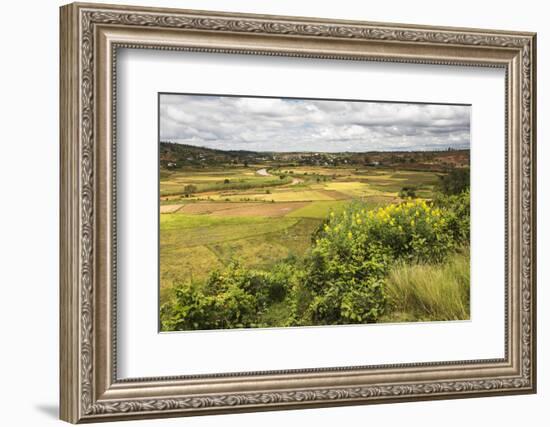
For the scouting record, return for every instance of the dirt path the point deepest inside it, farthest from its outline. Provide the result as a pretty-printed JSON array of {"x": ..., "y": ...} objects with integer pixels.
[
  {"x": 263, "y": 172},
  {"x": 170, "y": 208}
]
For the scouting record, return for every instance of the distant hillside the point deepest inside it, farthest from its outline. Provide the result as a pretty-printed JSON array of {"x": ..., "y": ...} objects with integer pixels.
[{"x": 175, "y": 156}]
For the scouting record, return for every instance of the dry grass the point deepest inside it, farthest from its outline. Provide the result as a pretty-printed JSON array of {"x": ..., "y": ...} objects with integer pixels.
[
  {"x": 261, "y": 209},
  {"x": 426, "y": 292}
]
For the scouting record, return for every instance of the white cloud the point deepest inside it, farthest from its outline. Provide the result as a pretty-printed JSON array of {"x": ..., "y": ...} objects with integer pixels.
[{"x": 277, "y": 124}]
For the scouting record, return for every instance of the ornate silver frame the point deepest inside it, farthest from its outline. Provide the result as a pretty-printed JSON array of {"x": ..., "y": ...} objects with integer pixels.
[{"x": 90, "y": 35}]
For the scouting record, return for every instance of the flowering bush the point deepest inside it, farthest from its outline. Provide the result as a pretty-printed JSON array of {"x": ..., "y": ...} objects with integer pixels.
[
  {"x": 352, "y": 252},
  {"x": 414, "y": 230}
]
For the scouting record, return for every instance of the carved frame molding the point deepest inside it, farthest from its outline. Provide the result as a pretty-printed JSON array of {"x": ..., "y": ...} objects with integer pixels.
[{"x": 90, "y": 35}]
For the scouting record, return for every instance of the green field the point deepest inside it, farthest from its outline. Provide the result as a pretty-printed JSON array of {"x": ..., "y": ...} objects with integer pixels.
[{"x": 259, "y": 215}]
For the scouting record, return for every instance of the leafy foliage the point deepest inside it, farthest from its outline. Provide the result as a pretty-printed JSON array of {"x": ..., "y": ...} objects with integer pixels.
[
  {"x": 189, "y": 189},
  {"x": 457, "y": 214},
  {"x": 455, "y": 182},
  {"x": 233, "y": 298},
  {"x": 407, "y": 192}
]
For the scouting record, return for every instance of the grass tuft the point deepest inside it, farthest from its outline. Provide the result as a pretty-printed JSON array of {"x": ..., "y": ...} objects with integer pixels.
[{"x": 423, "y": 292}]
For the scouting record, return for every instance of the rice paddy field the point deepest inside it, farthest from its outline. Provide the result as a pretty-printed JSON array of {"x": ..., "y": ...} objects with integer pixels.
[{"x": 261, "y": 214}]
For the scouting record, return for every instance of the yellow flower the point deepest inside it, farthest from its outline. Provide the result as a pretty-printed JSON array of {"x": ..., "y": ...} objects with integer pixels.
[
  {"x": 358, "y": 221},
  {"x": 350, "y": 236},
  {"x": 412, "y": 222}
]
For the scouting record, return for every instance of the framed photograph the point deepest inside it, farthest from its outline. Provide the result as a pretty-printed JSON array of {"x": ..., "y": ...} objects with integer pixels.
[{"x": 266, "y": 213}]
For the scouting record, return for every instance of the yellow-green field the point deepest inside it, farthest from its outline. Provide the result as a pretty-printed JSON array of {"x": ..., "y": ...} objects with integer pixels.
[{"x": 260, "y": 215}]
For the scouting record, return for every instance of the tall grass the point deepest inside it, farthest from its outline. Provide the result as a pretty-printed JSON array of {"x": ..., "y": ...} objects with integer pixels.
[{"x": 425, "y": 292}]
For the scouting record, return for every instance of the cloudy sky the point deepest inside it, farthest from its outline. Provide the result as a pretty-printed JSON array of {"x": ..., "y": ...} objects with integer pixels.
[{"x": 282, "y": 124}]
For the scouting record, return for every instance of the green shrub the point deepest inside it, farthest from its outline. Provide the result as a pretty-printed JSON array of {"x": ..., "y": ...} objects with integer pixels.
[
  {"x": 233, "y": 298},
  {"x": 344, "y": 281},
  {"x": 412, "y": 230},
  {"x": 189, "y": 189},
  {"x": 408, "y": 192},
  {"x": 455, "y": 182},
  {"x": 192, "y": 309},
  {"x": 457, "y": 214},
  {"x": 279, "y": 280}
]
